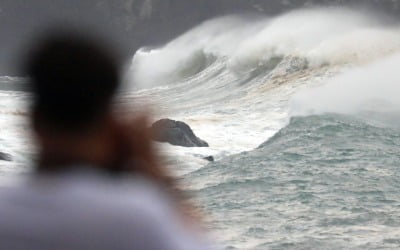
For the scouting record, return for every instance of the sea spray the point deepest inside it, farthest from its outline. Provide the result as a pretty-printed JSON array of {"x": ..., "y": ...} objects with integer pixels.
[{"x": 370, "y": 88}]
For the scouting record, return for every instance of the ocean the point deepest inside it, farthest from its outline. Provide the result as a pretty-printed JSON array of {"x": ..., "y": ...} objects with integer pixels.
[{"x": 302, "y": 114}]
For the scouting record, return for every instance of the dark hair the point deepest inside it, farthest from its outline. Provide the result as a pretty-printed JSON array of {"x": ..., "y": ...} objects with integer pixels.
[{"x": 73, "y": 80}]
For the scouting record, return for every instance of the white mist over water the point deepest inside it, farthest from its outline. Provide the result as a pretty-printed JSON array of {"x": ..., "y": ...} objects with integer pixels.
[
  {"x": 323, "y": 36},
  {"x": 372, "y": 88}
]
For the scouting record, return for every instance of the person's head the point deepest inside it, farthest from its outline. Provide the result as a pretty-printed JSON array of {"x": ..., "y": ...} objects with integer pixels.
[{"x": 73, "y": 80}]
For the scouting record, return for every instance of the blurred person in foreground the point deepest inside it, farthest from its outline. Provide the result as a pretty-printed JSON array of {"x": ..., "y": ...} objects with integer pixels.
[{"x": 98, "y": 183}]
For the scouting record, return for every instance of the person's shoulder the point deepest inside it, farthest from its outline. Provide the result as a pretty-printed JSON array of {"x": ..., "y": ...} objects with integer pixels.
[
  {"x": 98, "y": 193},
  {"x": 135, "y": 191},
  {"x": 143, "y": 213},
  {"x": 133, "y": 212}
]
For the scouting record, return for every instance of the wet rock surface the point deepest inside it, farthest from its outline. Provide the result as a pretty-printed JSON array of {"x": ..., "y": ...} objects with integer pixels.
[
  {"x": 176, "y": 133},
  {"x": 5, "y": 157}
]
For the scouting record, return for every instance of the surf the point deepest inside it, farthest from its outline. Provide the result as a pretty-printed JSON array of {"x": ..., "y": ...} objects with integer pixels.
[{"x": 233, "y": 78}]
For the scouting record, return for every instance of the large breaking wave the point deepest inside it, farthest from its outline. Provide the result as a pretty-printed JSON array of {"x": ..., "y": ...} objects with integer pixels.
[
  {"x": 248, "y": 44},
  {"x": 232, "y": 77}
]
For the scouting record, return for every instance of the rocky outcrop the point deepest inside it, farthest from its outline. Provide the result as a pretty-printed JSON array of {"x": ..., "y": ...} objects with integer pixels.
[
  {"x": 176, "y": 133},
  {"x": 5, "y": 157},
  {"x": 209, "y": 158}
]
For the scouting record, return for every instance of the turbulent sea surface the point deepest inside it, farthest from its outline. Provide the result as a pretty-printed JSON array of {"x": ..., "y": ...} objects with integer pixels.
[{"x": 302, "y": 114}]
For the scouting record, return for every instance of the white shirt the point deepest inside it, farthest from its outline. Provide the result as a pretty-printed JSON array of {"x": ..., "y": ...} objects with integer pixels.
[{"x": 91, "y": 211}]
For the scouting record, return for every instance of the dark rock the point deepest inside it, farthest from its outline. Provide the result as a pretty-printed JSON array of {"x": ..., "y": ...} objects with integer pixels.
[
  {"x": 176, "y": 133},
  {"x": 209, "y": 158},
  {"x": 5, "y": 157}
]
